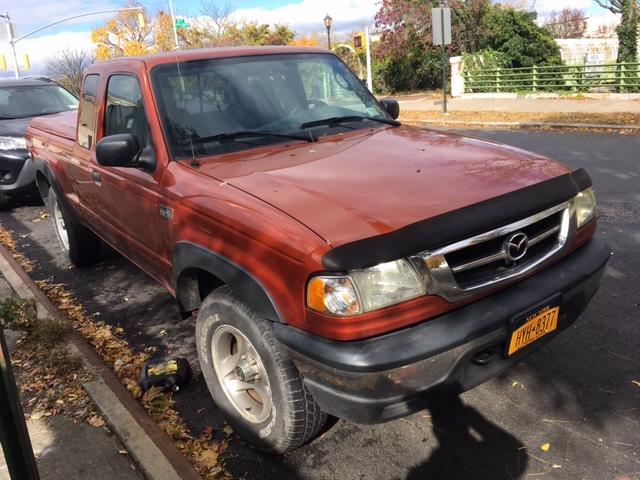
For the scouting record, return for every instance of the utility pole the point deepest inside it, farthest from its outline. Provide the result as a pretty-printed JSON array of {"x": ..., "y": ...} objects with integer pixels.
[{"x": 13, "y": 45}]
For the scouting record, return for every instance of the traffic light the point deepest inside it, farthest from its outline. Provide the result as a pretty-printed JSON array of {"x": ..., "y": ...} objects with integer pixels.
[
  {"x": 3, "y": 63},
  {"x": 358, "y": 41},
  {"x": 25, "y": 59}
]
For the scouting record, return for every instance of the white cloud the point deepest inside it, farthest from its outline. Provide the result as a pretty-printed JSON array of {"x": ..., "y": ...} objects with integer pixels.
[
  {"x": 308, "y": 15},
  {"x": 41, "y": 48}
]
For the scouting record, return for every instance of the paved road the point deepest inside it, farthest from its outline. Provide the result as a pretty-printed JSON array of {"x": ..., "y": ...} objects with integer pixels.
[{"x": 576, "y": 395}]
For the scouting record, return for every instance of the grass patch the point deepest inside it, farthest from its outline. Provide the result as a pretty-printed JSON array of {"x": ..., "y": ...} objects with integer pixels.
[{"x": 17, "y": 313}]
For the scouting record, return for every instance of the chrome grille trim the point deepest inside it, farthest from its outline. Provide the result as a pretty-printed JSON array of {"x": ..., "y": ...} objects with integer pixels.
[
  {"x": 502, "y": 255},
  {"x": 440, "y": 278}
]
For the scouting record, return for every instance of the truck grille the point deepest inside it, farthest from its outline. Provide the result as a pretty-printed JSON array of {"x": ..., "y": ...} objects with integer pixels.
[{"x": 482, "y": 262}]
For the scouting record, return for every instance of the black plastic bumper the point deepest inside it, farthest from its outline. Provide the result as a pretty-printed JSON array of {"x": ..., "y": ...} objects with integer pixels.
[
  {"x": 393, "y": 375},
  {"x": 17, "y": 174}
]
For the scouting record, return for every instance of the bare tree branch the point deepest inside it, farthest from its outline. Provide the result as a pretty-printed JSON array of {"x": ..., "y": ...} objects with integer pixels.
[
  {"x": 67, "y": 66},
  {"x": 219, "y": 16},
  {"x": 569, "y": 23}
]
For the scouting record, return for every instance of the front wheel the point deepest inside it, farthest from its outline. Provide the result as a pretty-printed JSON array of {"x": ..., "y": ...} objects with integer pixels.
[
  {"x": 252, "y": 378},
  {"x": 79, "y": 244}
]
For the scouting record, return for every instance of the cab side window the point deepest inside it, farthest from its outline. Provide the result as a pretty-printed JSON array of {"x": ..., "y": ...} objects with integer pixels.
[
  {"x": 124, "y": 112},
  {"x": 86, "y": 116}
]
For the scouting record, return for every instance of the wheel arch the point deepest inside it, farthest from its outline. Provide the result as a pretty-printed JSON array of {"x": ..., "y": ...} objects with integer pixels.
[
  {"x": 198, "y": 271},
  {"x": 44, "y": 178}
]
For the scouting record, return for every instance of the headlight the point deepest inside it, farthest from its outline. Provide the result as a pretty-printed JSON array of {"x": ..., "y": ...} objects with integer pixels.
[
  {"x": 585, "y": 204},
  {"x": 364, "y": 290},
  {"x": 12, "y": 143}
]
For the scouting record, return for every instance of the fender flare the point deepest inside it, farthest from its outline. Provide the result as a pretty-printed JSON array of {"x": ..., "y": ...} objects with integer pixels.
[
  {"x": 189, "y": 257},
  {"x": 43, "y": 168}
]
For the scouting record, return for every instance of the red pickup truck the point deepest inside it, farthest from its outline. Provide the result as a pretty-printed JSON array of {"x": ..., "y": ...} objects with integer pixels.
[{"x": 337, "y": 262}]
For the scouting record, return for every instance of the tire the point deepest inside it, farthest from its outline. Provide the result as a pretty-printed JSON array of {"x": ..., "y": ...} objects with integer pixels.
[
  {"x": 252, "y": 378},
  {"x": 79, "y": 244},
  {"x": 5, "y": 202}
]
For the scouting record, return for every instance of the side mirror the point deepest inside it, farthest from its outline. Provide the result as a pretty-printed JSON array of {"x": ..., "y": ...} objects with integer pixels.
[
  {"x": 391, "y": 106},
  {"x": 123, "y": 150}
]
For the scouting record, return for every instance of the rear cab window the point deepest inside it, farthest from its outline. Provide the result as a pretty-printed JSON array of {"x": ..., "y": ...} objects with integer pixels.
[{"x": 86, "y": 116}]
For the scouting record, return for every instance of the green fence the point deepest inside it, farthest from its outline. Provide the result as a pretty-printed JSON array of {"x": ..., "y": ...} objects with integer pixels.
[{"x": 614, "y": 77}]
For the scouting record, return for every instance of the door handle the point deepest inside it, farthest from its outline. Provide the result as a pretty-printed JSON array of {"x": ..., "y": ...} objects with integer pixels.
[{"x": 95, "y": 176}]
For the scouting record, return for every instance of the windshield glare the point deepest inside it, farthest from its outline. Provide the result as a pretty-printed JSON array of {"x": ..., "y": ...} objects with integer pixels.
[
  {"x": 34, "y": 100},
  {"x": 288, "y": 94}
]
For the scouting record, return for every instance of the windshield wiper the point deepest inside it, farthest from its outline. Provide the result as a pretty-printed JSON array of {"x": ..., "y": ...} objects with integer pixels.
[
  {"x": 222, "y": 137},
  {"x": 336, "y": 121}
]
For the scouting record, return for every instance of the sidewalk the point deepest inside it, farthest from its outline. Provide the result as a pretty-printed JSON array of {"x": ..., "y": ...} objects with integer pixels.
[
  {"x": 544, "y": 105},
  {"x": 68, "y": 451},
  {"x": 511, "y": 102}
]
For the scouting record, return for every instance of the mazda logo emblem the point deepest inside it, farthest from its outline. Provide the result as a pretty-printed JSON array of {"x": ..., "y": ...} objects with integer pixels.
[{"x": 516, "y": 246}]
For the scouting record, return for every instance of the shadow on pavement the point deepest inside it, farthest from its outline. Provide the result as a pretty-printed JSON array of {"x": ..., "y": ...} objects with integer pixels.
[{"x": 470, "y": 447}]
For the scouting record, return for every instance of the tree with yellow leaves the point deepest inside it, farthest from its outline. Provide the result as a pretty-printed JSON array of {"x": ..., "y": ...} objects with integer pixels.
[
  {"x": 124, "y": 35},
  {"x": 305, "y": 41}
]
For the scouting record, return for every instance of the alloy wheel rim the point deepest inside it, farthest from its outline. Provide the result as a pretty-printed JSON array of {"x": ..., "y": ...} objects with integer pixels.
[
  {"x": 241, "y": 374},
  {"x": 60, "y": 226}
]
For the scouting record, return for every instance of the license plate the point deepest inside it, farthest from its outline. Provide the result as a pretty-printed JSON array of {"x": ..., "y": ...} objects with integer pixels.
[{"x": 528, "y": 328}]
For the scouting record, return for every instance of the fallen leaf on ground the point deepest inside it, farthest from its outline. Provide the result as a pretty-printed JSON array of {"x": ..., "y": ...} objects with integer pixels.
[{"x": 95, "y": 421}]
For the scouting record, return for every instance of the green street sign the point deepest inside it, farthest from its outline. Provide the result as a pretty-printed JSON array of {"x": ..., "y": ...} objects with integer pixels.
[{"x": 181, "y": 23}]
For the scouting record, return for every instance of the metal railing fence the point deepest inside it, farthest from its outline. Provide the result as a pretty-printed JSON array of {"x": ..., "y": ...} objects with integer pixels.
[{"x": 616, "y": 77}]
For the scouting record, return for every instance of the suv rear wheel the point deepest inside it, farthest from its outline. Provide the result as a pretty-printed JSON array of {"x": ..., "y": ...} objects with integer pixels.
[
  {"x": 5, "y": 202},
  {"x": 252, "y": 378}
]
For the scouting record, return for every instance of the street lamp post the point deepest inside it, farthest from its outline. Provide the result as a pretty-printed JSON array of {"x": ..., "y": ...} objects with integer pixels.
[
  {"x": 327, "y": 23},
  {"x": 16, "y": 40}
]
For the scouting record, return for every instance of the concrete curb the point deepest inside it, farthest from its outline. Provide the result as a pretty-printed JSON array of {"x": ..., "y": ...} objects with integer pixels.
[
  {"x": 156, "y": 455},
  {"x": 139, "y": 445}
]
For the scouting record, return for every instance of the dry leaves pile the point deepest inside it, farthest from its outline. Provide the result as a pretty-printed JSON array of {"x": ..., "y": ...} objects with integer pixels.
[{"x": 50, "y": 387}]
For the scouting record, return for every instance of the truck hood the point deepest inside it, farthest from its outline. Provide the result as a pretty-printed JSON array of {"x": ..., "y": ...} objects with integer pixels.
[{"x": 369, "y": 182}]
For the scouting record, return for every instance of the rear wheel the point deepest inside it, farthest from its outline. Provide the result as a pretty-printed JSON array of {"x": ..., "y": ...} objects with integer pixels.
[
  {"x": 79, "y": 244},
  {"x": 252, "y": 378},
  {"x": 5, "y": 202}
]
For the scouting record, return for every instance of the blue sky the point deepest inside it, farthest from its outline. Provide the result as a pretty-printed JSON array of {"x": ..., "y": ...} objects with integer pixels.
[{"x": 302, "y": 16}]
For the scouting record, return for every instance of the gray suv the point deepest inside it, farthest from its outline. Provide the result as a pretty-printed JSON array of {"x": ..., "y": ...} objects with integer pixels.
[{"x": 20, "y": 101}]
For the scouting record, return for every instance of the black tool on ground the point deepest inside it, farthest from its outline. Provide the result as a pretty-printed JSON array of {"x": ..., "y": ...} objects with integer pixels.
[{"x": 168, "y": 373}]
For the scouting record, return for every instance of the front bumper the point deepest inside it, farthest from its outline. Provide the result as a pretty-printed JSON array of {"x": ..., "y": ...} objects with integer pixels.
[
  {"x": 394, "y": 375},
  {"x": 17, "y": 173}
]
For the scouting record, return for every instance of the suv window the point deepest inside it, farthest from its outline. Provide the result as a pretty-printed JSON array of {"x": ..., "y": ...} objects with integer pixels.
[
  {"x": 124, "y": 112},
  {"x": 23, "y": 101}
]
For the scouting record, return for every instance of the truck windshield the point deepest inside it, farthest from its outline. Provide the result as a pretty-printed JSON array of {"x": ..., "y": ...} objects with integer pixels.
[{"x": 210, "y": 106}]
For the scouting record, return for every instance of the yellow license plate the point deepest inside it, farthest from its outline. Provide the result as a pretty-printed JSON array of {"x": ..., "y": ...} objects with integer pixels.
[{"x": 530, "y": 328}]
